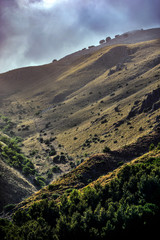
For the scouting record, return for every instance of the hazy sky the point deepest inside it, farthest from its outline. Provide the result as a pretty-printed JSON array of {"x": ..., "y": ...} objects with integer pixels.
[{"x": 34, "y": 32}]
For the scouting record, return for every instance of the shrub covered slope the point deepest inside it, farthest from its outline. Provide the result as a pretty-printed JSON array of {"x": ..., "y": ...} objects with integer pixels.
[{"x": 127, "y": 206}]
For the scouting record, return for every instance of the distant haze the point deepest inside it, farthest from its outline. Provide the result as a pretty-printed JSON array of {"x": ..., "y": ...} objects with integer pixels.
[{"x": 34, "y": 32}]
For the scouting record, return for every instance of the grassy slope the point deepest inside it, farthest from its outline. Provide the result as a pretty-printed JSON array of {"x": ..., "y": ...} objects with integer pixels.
[
  {"x": 13, "y": 186},
  {"x": 83, "y": 105},
  {"x": 79, "y": 100},
  {"x": 98, "y": 168}
]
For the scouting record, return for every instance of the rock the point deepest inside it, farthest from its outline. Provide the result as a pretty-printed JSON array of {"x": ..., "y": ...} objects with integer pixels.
[
  {"x": 111, "y": 71},
  {"x": 154, "y": 62},
  {"x": 120, "y": 66},
  {"x": 119, "y": 123},
  {"x": 151, "y": 101},
  {"x": 156, "y": 106}
]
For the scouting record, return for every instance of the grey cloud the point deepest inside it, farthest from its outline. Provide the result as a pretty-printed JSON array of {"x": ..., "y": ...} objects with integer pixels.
[{"x": 30, "y": 35}]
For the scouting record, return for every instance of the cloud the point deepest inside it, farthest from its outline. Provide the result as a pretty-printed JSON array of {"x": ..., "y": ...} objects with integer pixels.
[{"x": 33, "y": 32}]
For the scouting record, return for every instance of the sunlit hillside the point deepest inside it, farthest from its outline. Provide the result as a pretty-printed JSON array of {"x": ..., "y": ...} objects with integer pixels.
[
  {"x": 72, "y": 108},
  {"x": 84, "y": 128}
]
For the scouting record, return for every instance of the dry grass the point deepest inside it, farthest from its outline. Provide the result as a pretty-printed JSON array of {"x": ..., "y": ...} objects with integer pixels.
[{"x": 76, "y": 96}]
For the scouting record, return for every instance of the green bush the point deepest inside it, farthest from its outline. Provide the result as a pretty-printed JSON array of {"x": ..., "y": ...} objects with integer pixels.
[
  {"x": 52, "y": 152},
  {"x": 151, "y": 147},
  {"x": 158, "y": 146},
  {"x": 12, "y": 155},
  {"x": 39, "y": 181},
  {"x": 56, "y": 169},
  {"x": 50, "y": 174},
  {"x": 128, "y": 206},
  {"x": 51, "y": 187},
  {"x": 106, "y": 150},
  {"x": 55, "y": 196},
  {"x": 26, "y": 170}
]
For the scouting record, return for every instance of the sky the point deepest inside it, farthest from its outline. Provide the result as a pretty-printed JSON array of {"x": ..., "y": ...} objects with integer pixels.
[{"x": 34, "y": 32}]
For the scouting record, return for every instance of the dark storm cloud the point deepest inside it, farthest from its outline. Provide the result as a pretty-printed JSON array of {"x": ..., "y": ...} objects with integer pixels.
[{"x": 31, "y": 33}]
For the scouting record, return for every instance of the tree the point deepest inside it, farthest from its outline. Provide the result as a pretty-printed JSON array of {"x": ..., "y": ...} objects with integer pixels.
[
  {"x": 108, "y": 39},
  {"x": 101, "y": 41}
]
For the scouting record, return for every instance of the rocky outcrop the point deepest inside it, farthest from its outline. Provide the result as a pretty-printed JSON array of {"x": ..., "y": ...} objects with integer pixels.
[
  {"x": 119, "y": 67},
  {"x": 150, "y": 103},
  {"x": 154, "y": 62}
]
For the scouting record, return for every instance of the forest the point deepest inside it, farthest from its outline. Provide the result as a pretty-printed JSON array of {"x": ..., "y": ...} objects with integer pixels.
[{"x": 127, "y": 206}]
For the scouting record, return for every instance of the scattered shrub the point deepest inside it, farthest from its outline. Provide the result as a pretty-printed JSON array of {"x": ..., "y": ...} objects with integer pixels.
[
  {"x": 151, "y": 147},
  {"x": 55, "y": 196},
  {"x": 50, "y": 174},
  {"x": 11, "y": 154},
  {"x": 56, "y": 169},
  {"x": 39, "y": 181},
  {"x": 115, "y": 210},
  {"x": 158, "y": 146},
  {"x": 106, "y": 149},
  {"x": 52, "y": 152}
]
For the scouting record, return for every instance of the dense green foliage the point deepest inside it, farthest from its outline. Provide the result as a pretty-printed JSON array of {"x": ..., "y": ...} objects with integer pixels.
[
  {"x": 11, "y": 153},
  {"x": 6, "y": 125},
  {"x": 129, "y": 205}
]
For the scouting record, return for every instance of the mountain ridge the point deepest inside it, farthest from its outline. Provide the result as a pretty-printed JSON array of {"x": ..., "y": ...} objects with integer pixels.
[{"x": 68, "y": 110}]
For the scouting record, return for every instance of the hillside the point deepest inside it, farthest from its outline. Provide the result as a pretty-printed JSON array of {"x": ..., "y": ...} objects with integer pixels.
[
  {"x": 95, "y": 168},
  {"x": 113, "y": 206},
  {"x": 18, "y": 177},
  {"x": 71, "y": 109},
  {"x": 76, "y": 106},
  {"x": 86, "y": 126},
  {"x": 13, "y": 186}
]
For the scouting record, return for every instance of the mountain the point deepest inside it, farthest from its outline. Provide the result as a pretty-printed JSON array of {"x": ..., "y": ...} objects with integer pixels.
[
  {"x": 83, "y": 126},
  {"x": 68, "y": 110}
]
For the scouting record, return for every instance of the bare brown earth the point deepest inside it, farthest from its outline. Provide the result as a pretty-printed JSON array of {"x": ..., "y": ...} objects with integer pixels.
[{"x": 108, "y": 95}]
